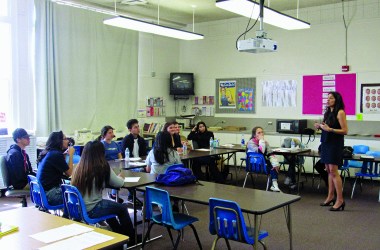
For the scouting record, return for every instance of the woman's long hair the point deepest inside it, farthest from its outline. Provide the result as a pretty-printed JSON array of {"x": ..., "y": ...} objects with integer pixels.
[
  {"x": 167, "y": 125},
  {"x": 330, "y": 117},
  {"x": 55, "y": 141},
  {"x": 204, "y": 124},
  {"x": 104, "y": 131},
  {"x": 162, "y": 144},
  {"x": 254, "y": 132},
  {"x": 92, "y": 166}
]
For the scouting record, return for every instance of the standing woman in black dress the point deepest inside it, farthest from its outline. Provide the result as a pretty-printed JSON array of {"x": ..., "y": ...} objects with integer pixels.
[{"x": 334, "y": 127}]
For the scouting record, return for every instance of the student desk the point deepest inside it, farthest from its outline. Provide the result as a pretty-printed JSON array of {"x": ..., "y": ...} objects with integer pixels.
[
  {"x": 291, "y": 156},
  {"x": 253, "y": 201},
  {"x": 31, "y": 221},
  {"x": 199, "y": 153}
]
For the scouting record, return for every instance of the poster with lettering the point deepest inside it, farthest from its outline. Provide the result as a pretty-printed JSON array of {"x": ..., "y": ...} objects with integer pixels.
[
  {"x": 317, "y": 87},
  {"x": 370, "y": 99},
  {"x": 227, "y": 94}
]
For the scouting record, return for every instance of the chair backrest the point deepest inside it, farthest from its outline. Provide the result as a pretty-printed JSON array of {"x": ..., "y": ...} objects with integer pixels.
[
  {"x": 159, "y": 197},
  {"x": 74, "y": 204},
  {"x": 227, "y": 221},
  {"x": 38, "y": 195},
  {"x": 4, "y": 177},
  {"x": 360, "y": 149},
  {"x": 255, "y": 162},
  {"x": 374, "y": 168}
]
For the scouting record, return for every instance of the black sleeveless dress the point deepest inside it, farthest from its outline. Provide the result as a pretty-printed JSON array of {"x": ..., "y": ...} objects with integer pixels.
[{"x": 332, "y": 146}]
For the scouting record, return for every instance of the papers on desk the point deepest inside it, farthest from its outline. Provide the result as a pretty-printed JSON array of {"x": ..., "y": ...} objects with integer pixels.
[
  {"x": 79, "y": 242},
  {"x": 202, "y": 149},
  {"x": 136, "y": 164},
  {"x": 228, "y": 145},
  {"x": 131, "y": 179},
  {"x": 367, "y": 157},
  {"x": 282, "y": 150},
  {"x": 60, "y": 233},
  {"x": 135, "y": 159}
]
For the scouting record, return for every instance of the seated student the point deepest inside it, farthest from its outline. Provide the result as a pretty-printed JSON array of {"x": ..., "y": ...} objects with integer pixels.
[
  {"x": 180, "y": 139},
  {"x": 291, "y": 174},
  {"x": 112, "y": 152},
  {"x": 91, "y": 176},
  {"x": 172, "y": 129},
  {"x": 163, "y": 155},
  {"x": 52, "y": 166},
  {"x": 202, "y": 136},
  {"x": 258, "y": 144},
  {"x": 136, "y": 146},
  {"x": 134, "y": 142},
  {"x": 17, "y": 160}
]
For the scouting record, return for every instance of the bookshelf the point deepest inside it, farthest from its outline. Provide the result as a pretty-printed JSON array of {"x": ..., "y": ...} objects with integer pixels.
[
  {"x": 203, "y": 106},
  {"x": 155, "y": 106}
]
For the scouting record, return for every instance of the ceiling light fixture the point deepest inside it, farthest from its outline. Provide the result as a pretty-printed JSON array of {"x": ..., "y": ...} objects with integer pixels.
[
  {"x": 134, "y": 24},
  {"x": 272, "y": 17}
]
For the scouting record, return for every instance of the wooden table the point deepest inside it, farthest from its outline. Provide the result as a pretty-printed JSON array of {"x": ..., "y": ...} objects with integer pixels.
[
  {"x": 253, "y": 201},
  {"x": 31, "y": 221}
]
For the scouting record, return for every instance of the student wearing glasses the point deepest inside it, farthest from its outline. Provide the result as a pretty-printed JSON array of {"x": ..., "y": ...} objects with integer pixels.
[
  {"x": 52, "y": 166},
  {"x": 17, "y": 160}
]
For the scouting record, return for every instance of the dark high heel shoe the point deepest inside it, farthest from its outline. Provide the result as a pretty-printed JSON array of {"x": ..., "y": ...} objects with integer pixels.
[
  {"x": 326, "y": 204},
  {"x": 338, "y": 208}
]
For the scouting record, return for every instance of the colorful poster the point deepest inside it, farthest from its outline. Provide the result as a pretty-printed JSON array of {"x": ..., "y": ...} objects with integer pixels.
[
  {"x": 227, "y": 94},
  {"x": 370, "y": 99},
  {"x": 245, "y": 99}
]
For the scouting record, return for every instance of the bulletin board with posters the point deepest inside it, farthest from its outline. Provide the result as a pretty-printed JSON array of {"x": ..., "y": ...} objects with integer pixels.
[
  {"x": 370, "y": 98},
  {"x": 235, "y": 95},
  {"x": 317, "y": 87}
]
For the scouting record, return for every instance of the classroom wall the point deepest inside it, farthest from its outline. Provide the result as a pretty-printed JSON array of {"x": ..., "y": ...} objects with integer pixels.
[{"x": 319, "y": 50}]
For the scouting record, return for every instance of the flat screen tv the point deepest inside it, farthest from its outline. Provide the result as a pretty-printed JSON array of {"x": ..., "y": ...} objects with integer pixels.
[{"x": 181, "y": 84}]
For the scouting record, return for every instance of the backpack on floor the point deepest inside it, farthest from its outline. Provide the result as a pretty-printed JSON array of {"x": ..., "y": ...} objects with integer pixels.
[{"x": 176, "y": 175}]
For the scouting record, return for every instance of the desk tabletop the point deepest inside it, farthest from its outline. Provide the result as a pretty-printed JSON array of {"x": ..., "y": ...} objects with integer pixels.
[
  {"x": 235, "y": 146},
  {"x": 31, "y": 221},
  {"x": 288, "y": 151},
  {"x": 250, "y": 200},
  {"x": 145, "y": 179},
  {"x": 197, "y": 153},
  {"x": 356, "y": 157},
  {"x": 121, "y": 164}
]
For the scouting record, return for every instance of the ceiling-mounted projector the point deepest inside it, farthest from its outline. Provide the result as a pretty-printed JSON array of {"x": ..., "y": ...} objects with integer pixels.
[{"x": 260, "y": 44}]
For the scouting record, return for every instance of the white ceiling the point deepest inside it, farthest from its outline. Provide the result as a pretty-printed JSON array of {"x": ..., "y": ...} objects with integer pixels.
[{"x": 180, "y": 12}]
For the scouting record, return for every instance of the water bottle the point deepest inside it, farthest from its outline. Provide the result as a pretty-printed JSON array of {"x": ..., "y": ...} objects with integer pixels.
[
  {"x": 211, "y": 143},
  {"x": 184, "y": 149},
  {"x": 242, "y": 141},
  {"x": 292, "y": 144},
  {"x": 126, "y": 158},
  {"x": 216, "y": 143}
]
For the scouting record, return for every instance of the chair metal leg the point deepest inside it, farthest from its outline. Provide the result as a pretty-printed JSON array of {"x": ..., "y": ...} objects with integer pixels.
[
  {"x": 263, "y": 244},
  {"x": 268, "y": 183},
  {"x": 214, "y": 243},
  {"x": 196, "y": 236},
  {"x": 353, "y": 188},
  {"x": 228, "y": 243},
  {"x": 146, "y": 235},
  {"x": 253, "y": 181},
  {"x": 245, "y": 179},
  {"x": 170, "y": 235},
  {"x": 24, "y": 202},
  {"x": 177, "y": 241}
]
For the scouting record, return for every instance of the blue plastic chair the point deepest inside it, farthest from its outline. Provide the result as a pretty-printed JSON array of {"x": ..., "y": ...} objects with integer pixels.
[
  {"x": 38, "y": 196},
  {"x": 166, "y": 218},
  {"x": 358, "y": 149},
  {"x": 256, "y": 164},
  {"x": 75, "y": 207},
  {"x": 227, "y": 222},
  {"x": 369, "y": 170}
]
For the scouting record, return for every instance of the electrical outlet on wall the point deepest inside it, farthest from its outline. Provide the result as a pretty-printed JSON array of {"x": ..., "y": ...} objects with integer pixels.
[{"x": 270, "y": 123}]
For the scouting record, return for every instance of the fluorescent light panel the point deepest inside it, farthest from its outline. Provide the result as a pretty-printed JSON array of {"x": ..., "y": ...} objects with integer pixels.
[
  {"x": 134, "y": 24},
  {"x": 271, "y": 16}
]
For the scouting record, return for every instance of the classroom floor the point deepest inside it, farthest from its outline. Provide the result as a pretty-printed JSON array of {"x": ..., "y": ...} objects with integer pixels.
[{"x": 314, "y": 227}]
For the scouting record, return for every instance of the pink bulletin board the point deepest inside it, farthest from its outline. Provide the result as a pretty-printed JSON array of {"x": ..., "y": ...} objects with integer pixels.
[{"x": 316, "y": 88}]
